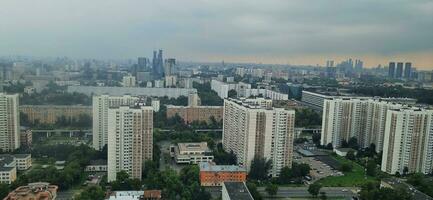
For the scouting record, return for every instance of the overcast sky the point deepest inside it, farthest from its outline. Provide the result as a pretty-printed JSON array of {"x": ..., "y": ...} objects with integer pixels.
[{"x": 267, "y": 31}]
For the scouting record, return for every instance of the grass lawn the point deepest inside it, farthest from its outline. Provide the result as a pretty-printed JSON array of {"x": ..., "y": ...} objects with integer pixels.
[{"x": 350, "y": 179}]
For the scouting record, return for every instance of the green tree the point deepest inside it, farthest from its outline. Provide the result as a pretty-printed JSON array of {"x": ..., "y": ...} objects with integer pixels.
[
  {"x": 353, "y": 143},
  {"x": 351, "y": 155},
  {"x": 371, "y": 168},
  {"x": 316, "y": 138},
  {"x": 405, "y": 171},
  {"x": 253, "y": 190},
  {"x": 346, "y": 167},
  {"x": 323, "y": 196},
  {"x": 314, "y": 189},
  {"x": 4, "y": 190},
  {"x": 91, "y": 193},
  {"x": 259, "y": 168},
  {"x": 272, "y": 189}
]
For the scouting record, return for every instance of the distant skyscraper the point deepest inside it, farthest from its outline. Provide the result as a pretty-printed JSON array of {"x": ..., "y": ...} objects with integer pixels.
[
  {"x": 358, "y": 65},
  {"x": 408, "y": 70},
  {"x": 130, "y": 140},
  {"x": 329, "y": 63},
  {"x": 157, "y": 65},
  {"x": 391, "y": 70},
  {"x": 142, "y": 64},
  {"x": 9, "y": 122},
  {"x": 169, "y": 65},
  {"x": 399, "y": 71}
]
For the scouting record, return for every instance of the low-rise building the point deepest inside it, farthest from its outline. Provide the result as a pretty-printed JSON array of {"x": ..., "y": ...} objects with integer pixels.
[
  {"x": 192, "y": 153},
  {"x": 49, "y": 114},
  {"x": 195, "y": 113},
  {"x": 34, "y": 191},
  {"x": 216, "y": 175},
  {"x": 343, "y": 151},
  {"x": 235, "y": 191},
  {"x": 135, "y": 195},
  {"x": 152, "y": 195},
  {"x": 23, "y": 161},
  {"x": 8, "y": 169},
  {"x": 96, "y": 166}
]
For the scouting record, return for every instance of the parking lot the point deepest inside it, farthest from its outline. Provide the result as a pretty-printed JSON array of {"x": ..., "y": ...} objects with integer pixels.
[{"x": 318, "y": 169}]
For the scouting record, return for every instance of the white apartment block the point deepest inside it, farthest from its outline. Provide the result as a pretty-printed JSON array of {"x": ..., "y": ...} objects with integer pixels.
[
  {"x": 9, "y": 122},
  {"x": 222, "y": 88},
  {"x": 408, "y": 141},
  {"x": 128, "y": 81},
  {"x": 264, "y": 93},
  {"x": 23, "y": 161},
  {"x": 344, "y": 118},
  {"x": 251, "y": 130},
  {"x": 100, "y": 106},
  {"x": 130, "y": 140}
]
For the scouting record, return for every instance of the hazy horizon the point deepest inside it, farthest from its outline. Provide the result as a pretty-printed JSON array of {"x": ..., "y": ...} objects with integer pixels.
[{"x": 275, "y": 32}]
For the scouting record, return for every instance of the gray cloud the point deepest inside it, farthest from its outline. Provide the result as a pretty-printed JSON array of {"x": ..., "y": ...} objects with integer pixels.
[{"x": 200, "y": 29}]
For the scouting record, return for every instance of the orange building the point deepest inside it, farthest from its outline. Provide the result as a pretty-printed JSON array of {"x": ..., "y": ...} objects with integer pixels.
[{"x": 216, "y": 175}]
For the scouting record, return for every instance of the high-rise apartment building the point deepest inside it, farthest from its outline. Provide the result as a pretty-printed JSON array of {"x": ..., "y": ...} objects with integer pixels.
[
  {"x": 100, "y": 106},
  {"x": 344, "y": 118},
  {"x": 391, "y": 70},
  {"x": 251, "y": 130},
  {"x": 130, "y": 140},
  {"x": 9, "y": 122},
  {"x": 408, "y": 141}
]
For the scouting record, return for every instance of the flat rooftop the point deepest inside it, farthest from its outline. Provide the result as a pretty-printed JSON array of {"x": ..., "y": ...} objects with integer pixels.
[
  {"x": 238, "y": 191},
  {"x": 126, "y": 195},
  {"x": 208, "y": 167},
  {"x": 198, "y": 146}
]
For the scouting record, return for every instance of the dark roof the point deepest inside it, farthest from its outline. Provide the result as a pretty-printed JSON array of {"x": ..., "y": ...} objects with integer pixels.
[
  {"x": 5, "y": 161},
  {"x": 21, "y": 155},
  {"x": 98, "y": 162},
  {"x": 238, "y": 191}
]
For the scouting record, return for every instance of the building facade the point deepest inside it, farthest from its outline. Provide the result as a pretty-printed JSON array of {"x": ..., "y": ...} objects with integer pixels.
[
  {"x": 216, "y": 175},
  {"x": 26, "y": 137},
  {"x": 192, "y": 153},
  {"x": 251, "y": 130},
  {"x": 195, "y": 113},
  {"x": 408, "y": 141},
  {"x": 157, "y": 91},
  {"x": 100, "y": 106},
  {"x": 9, "y": 122},
  {"x": 130, "y": 140},
  {"x": 49, "y": 114},
  {"x": 363, "y": 119}
]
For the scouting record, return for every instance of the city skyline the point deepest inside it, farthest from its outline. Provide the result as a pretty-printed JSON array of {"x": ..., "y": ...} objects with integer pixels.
[{"x": 274, "y": 32}]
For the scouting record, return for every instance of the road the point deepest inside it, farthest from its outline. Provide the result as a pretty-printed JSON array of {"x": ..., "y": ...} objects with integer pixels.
[{"x": 303, "y": 192}]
